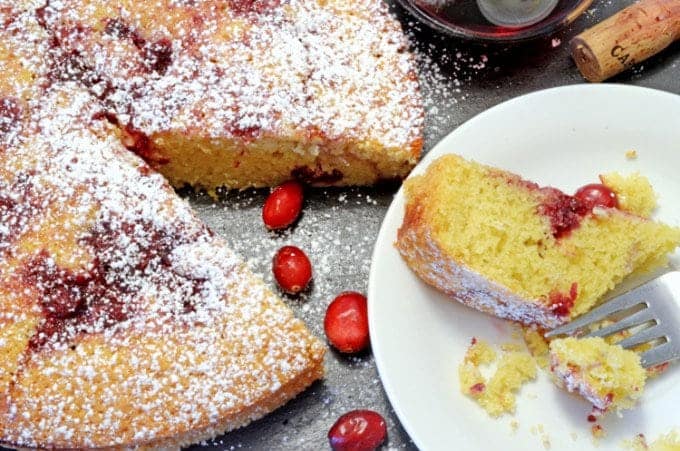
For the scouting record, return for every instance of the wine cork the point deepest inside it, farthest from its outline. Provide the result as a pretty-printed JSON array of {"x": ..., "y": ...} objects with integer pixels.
[{"x": 627, "y": 38}]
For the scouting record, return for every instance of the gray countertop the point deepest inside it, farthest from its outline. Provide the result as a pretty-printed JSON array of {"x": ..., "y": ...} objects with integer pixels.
[{"x": 339, "y": 226}]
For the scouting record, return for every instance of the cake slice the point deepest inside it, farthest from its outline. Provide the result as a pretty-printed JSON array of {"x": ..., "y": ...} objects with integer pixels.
[
  {"x": 508, "y": 247},
  {"x": 605, "y": 374},
  {"x": 248, "y": 93}
]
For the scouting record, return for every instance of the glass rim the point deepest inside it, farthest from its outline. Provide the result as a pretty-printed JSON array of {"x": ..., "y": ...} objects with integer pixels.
[{"x": 542, "y": 28}]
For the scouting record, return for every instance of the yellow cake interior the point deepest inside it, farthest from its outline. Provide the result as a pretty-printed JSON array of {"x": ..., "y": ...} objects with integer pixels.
[
  {"x": 486, "y": 220},
  {"x": 209, "y": 163}
]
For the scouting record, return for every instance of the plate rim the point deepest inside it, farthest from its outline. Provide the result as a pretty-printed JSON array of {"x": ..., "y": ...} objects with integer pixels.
[{"x": 426, "y": 160}]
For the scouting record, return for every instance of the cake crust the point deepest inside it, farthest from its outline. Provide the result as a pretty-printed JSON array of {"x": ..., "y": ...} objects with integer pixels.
[{"x": 428, "y": 260}]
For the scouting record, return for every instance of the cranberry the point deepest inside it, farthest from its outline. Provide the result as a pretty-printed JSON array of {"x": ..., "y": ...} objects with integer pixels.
[
  {"x": 346, "y": 322},
  {"x": 358, "y": 430},
  {"x": 292, "y": 269},
  {"x": 597, "y": 195},
  {"x": 283, "y": 205}
]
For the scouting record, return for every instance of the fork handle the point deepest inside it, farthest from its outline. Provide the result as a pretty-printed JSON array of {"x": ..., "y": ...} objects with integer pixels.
[{"x": 627, "y": 38}]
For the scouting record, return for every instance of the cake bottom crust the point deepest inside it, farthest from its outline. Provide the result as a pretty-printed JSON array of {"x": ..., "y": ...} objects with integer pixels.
[{"x": 417, "y": 246}]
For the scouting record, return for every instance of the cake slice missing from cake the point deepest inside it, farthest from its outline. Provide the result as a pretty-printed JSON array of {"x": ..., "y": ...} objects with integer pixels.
[{"x": 508, "y": 247}]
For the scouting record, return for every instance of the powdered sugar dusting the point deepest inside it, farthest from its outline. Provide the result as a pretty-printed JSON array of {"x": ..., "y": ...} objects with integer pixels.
[
  {"x": 299, "y": 66},
  {"x": 446, "y": 70},
  {"x": 143, "y": 325}
]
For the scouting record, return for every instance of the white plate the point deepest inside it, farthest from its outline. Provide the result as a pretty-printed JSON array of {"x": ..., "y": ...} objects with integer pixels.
[{"x": 562, "y": 137}]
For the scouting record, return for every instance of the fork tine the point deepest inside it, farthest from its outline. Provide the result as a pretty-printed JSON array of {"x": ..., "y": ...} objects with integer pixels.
[
  {"x": 623, "y": 302},
  {"x": 642, "y": 337},
  {"x": 660, "y": 354},
  {"x": 633, "y": 320}
]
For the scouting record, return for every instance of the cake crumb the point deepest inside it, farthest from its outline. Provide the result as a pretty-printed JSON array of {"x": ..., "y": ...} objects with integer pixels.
[
  {"x": 545, "y": 440},
  {"x": 537, "y": 346},
  {"x": 574, "y": 436},
  {"x": 598, "y": 431},
  {"x": 634, "y": 192},
  {"x": 608, "y": 376},
  {"x": 665, "y": 442},
  {"x": 637, "y": 443},
  {"x": 495, "y": 394},
  {"x": 514, "y": 426},
  {"x": 631, "y": 154}
]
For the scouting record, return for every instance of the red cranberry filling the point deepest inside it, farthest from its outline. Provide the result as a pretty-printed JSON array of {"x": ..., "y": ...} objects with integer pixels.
[
  {"x": 566, "y": 212},
  {"x": 478, "y": 388},
  {"x": 597, "y": 195},
  {"x": 156, "y": 55},
  {"x": 139, "y": 143},
  {"x": 19, "y": 204},
  {"x": 10, "y": 114},
  {"x": 107, "y": 292},
  {"x": 308, "y": 175},
  {"x": 562, "y": 303},
  {"x": 252, "y": 6},
  {"x": 69, "y": 298}
]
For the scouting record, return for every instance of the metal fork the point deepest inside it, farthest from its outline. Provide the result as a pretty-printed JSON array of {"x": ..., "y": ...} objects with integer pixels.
[{"x": 654, "y": 316}]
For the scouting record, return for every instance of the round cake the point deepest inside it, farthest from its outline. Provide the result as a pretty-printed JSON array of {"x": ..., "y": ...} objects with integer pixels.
[{"x": 124, "y": 321}]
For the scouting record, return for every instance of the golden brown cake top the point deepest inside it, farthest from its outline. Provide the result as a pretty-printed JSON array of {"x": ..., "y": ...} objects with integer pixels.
[{"x": 244, "y": 68}]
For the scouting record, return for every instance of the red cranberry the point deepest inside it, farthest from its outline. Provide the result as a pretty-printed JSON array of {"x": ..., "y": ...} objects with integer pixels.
[
  {"x": 597, "y": 195},
  {"x": 283, "y": 205},
  {"x": 292, "y": 269},
  {"x": 346, "y": 322},
  {"x": 358, "y": 430}
]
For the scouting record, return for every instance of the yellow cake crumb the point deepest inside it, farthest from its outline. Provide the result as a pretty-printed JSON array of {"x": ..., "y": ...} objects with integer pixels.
[
  {"x": 598, "y": 431},
  {"x": 607, "y": 375},
  {"x": 666, "y": 442},
  {"x": 537, "y": 346},
  {"x": 637, "y": 443},
  {"x": 631, "y": 154},
  {"x": 472, "y": 383},
  {"x": 514, "y": 425},
  {"x": 545, "y": 440},
  {"x": 512, "y": 347},
  {"x": 497, "y": 393},
  {"x": 634, "y": 192}
]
